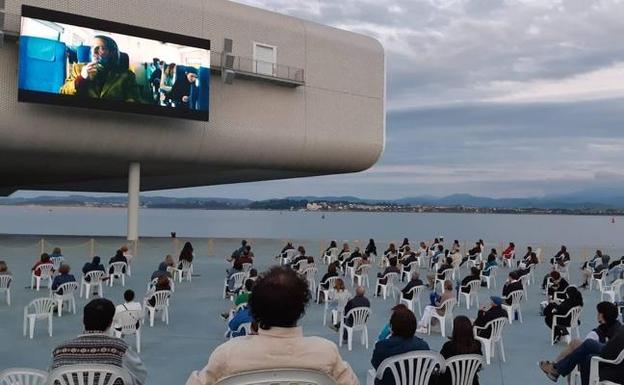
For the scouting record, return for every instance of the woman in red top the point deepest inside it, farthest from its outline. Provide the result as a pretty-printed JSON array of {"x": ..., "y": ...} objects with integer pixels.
[
  {"x": 45, "y": 259},
  {"x": 509, "y": 250}
]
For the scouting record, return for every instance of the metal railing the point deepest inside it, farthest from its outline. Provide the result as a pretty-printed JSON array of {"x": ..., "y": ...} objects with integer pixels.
[{"x": 259, "y": 69}]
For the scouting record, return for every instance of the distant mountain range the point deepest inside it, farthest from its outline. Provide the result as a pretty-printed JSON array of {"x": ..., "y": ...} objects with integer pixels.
[{"x": 586, "y": 199}]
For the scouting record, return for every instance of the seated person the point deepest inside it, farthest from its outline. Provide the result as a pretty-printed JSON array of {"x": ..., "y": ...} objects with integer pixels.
[
  {"x": 118, "y": 257},
  {"x": 105, "y": 77},
  {"x": 401, "y": 340},
  {"x": 163, "y": 268},
  {"x": 489, "y": 313},
  {"x": 359, "y": 300},
  {"x": 414, "y": 281},
  {"x": 364, "y": 262},
  {"x": 332, "y": 271},
  {"x": 163, "y": 284},
  {"x": 486, "y": 267},
  {"x": 616, "y": 268},
  {"x": 331, "y": 248},
  {"x": 594, "y": 268},
  {"x": 253, "y": 274},
  {"x": 186, "y": 254},
  {"x": 301, "y": 257},
  {"x": 43, "y": 260},
  {"x": 472, "y": 253},
  {"x": 236, "y": 268},
  {"x": 279, "y": 300},
  {"x": 344, "y": 253},
  {"x": 561, "y": 257},
  {"x": 239, "y": 318},
  {"x": 573, "y": 298},
  {"x": 246, "y": 256},
  {"x": 98, "y": 318},
  {"x": 285, "y": 249},
  {"x": 129, "y": 304},
  {"x": 404, "y": 246},
  {"x": 236, "y": 253},
  {"x": 350, "y": 260},
  {"x": 475, "y": 275},
  {"x": 530, "y": 258},
  {"x": 440, "y": 275},
  {"x": 61, "y": 278},
  {"x": 438, "y": 300},
  {"x": 338, "y": 299},
  {"x": 462, "y": 342},
  {"x": 382, "y": 277},
  {"x": 126, "y": 253},
  {"x": 411, "y": 257},
  {"x": 439, "y": 254},
  {"x": 579, "y": 353},
  {"x": 455, "y": 247},
  {"x": 371, "y": 248},
  {"x": 94, "y": 265},
  {"x": 241, "y": 299},
  {"x": 558, "y": 284},
  {"x": 512, "y": 284},
  {"x": 4, "y": 269},
  {"x": 509, "y": 251},
  {"x": 391, "y": 251}
]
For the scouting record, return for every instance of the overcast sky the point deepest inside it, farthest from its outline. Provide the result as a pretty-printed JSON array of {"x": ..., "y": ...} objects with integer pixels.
[{"x": 490, "y": 97}]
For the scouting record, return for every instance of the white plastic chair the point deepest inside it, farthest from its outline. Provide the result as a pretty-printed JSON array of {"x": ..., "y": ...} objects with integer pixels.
[
  {"x": 68, "y": 289},
  {"x": 516, "y": 299},
  {"x": 613, "y": 291},
  {"x": 391, "y": 279},
  {"x": 161, "y": 304},
  {"x": 447, "y": 274},
  {"x": 361, "y": 277},
  {"x": 57, "y": 261},
  {"x": 473, "y": 292},
  {"x": 464, "y": 368},
  {"x": 127, "y": 321},
  {"x": 594, "y": 369},
  {"x": 600, "y": 281},
  {"x": 509, "y": 261},
  {"x": 526, "y": 281},
  {"x": 474, "y": 262},
  {"x": 490, "y": 280},
  {"x": 45, "y": 273},
  {"x": 448, "y": 307},
  {"x": 413, "y": 368},
  {"x": 95, "y": 279},
  {"x": 89, "y": 374},
  {"x": 330, "y": 256},
  {"x": 360, "y": 316},
  {"x": 118, "y": 273},
  {"x": 574, "y": 314},
  {"x": 331, "y": 282},
  {"x": 42, "y": 308},
  {"x": 350, "y": 270},
  {"x": 411, "y": 303},
  {"x": 245, "y": 326},
  {"x": 238, "y": 282},
  {"x": 23, "y": 376},
  {"x": 496, "y": 336},
  {"x": 278, "y": 376},
  {"x": 186, "y": 270},
  {"x": 5, "y": 286},
  {"x": 290, "y": 253},
  {"x": 310, "y": 275},
  {"x": 406, "y": 271}
]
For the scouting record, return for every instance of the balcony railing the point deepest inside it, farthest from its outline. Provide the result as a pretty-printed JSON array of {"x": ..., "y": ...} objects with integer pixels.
[{"x": 246, "y": 67}]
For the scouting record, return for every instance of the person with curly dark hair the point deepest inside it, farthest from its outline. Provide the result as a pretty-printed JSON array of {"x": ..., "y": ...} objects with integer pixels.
[{"x": 278, "y": 301}]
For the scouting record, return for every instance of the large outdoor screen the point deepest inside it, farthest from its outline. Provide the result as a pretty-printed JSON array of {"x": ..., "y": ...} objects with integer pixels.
[{"x": 72, "y": 60}]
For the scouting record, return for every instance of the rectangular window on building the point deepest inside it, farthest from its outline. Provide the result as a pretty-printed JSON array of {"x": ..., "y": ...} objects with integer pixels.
[{"x": 265, "y": 59}]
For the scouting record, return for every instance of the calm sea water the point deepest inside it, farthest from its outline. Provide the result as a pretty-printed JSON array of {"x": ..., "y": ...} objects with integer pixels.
[{"x": 536, "y": 229}]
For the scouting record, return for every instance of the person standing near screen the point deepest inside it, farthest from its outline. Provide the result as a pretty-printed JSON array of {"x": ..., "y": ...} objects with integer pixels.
[{"x": 105, "y": 77}]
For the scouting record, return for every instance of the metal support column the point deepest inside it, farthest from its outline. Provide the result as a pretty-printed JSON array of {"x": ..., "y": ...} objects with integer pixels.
[{"x": 134, "y": 187}]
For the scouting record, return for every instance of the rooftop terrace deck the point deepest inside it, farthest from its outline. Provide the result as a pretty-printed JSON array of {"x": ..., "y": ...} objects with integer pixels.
[{"x": 172, "y": 352}]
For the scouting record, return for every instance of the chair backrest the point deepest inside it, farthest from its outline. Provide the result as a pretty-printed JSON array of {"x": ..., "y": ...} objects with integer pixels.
[
  {"x": 496, "y": 326},
  {"x": 413, "y": 368},
  {"x": 516, "y": 297},
  {"x": 127, "y": 320},
  {"x": 391, "y": 278},
  {"x": 416, "y": 291},
  {"x": 95, "y": 276},
  {"x": 463, "y": 368},
  {"x": 473, "y": 286},
  {"x": 67, "y": 289},
  {"x": 160, "y": 297},
  {"x": 575, "y": 314},
  {"x": 331, "y": 281},
  {"x": 42, "y": 305},
  {"x": 616, "y": 285},
  {"x": 310, "y": 272},
  {"x": 186, "y": 265},
  {"x": 448, "y": 306},
  {"x": 291, "y": 253},
  {"x": 238, "y": 279},
  {"x": 118, "y": 267},
  {"x": 359, "y": 315},
  {"x": 448, "y": 273},
  {"x": 91, "y": 374},
  {"x": 247, "y": 266},
  {"x": 23, "y": 376},
  {"x": 5, "y": 281},
  {"x": 246, "y": 327},
  {"x": 278, "y": 376},
  {"x": 45, "y": 269},
  {"x": 57, "y": 261}
]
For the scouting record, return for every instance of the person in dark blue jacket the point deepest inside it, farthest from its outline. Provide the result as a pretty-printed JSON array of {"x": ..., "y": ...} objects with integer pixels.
[
  {"x": 63, "y": 277},
  {"x": 94, "y": 265},
  {"x": 241, "y": 317},
  {"x": 402, "y": 340}
]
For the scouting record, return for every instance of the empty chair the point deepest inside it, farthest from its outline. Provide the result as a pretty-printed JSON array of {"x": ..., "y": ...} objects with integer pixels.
[
  {"x": 574, "y": 314},
  {"x": 118, "y": 272},
  {"x": 89, "y": 374},
  {"x": 92, "y": 279},
  {"x": 416, "y": 291},
  {"x": 331, "y": 282},
  {"x": 361, "y": 276},
  {"x": 278, "y": 376},
  {"x": 464, "y": 368},
  {"x": 5, "y": 286},
  {"x": 391, "y": 279},
  {"x": 473, "y": 292},
  {"x": 310, "y": 275},
  {"x": 67, "y": 289},
  {"x": 496, "y": 336},
  {"x": 612, "y": 291},
  {"x": 514, "y": 307},
  {"x": 413, "y": 368},
  {"x": 161, "y": 303},
  {"x": 45, "y": 273},
  {"x": 448, "y": 307},
  {"x": 40, "y": 308},
  {"x": 238, "y": 280},
  {"x": 128, "y": 322},
  {"x": 490, "y": 280},
  {"x": 23, "y": 376},
  {"x": 359, "y": 316}
]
